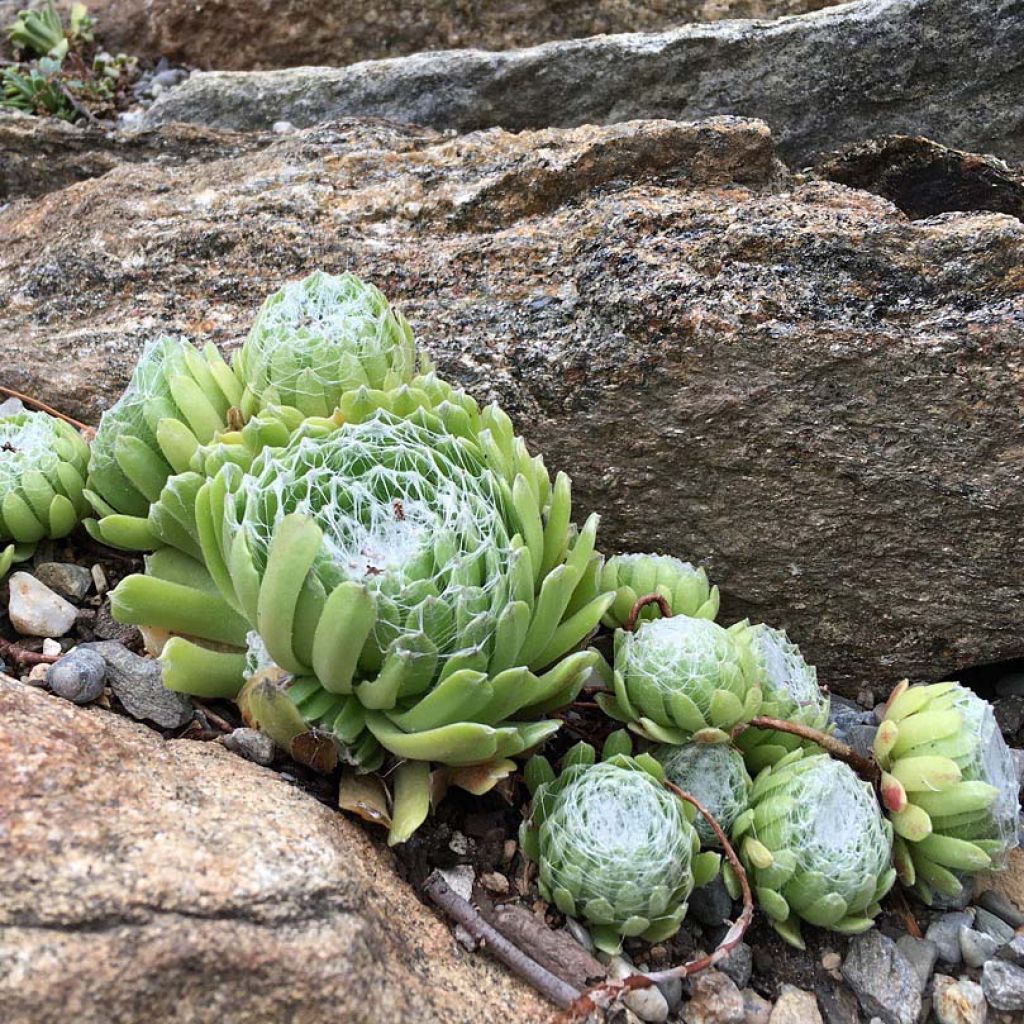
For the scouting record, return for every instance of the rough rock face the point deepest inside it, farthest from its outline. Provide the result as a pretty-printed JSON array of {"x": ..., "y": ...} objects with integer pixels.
[
  {"x": 39, "y": 155},
  {"x": 245, "y": 34},
  {"x": 201, "y": 888},
  {"x": 787, "y": 380},
  {"x": 949, "y": 69}
]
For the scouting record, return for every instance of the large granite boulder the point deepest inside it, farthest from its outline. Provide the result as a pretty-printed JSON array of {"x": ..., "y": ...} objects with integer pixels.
[
  {"x": 785, "y": 379},
  {"x": 39, "y": 154},
  {"x": 144, "y": 880},
  {"x": 245, "y": 34},
  {"x": 949, "y": 69}
]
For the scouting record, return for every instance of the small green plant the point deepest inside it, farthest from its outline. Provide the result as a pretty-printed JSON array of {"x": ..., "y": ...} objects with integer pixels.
[
  {"x": 631, "y": 576},
  {"x": 42, "y": 471},
  {"x": 681, "y": 678},
  {"x": 61, "y": 74},
  {"x": 715, "y": 774},
  {"x": 948, "y": 786},
  {"x": 613, "y": 846},
  {"x": 790, "y": 691},
  {"x": 815, "y": 846}
]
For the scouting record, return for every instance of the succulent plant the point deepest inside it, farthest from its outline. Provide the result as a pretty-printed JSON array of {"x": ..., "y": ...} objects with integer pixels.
[
  {"x": 948, "y": 785},
  {"x": 789, "y": 690},
  {"x": 815, "y": 846},
  {"x": 388, "y": 560},
  {"x": 632, "y": 576},
  {"x": 682, "y": 678},
  {"x": 178, "y": 398},
  {"x": 320, "y": 337},
  {"x": 42, "y": 477},
  {"x": 715, "y": 774},
  {"x": 613, "y": 846}
]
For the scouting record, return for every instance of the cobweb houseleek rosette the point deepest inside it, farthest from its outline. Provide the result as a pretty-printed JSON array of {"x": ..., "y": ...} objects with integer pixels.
[
  {"x": 632, "y": 576},
  {"x": 682, "y": 678},
  {"x": 715, "y": 774},
  {"x": 386, "y": 560},
  {"x": 948, "y": 786},
  {"x": 789, "y": 690},
  {"x": 815, "y": 846},
  {"x": 177, "y": 399},
  {"x": 42, "y": 476},
  {"x": 320, "y": 337},
  {"x": 614, "y": 847}
]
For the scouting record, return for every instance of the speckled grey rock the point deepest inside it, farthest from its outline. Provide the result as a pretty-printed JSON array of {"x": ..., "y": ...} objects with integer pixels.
[
  {"x": 990, "y": 924},
  {"x": 138, "y": 685},
  {"x": 738, "y": 965},
  {"x": 976, "y": 947},
  {"x": 996, "y": 903},
  {"x": 67, "y": 579},
  {"x": 663, "y": 310},
  {"x": 885, "y": 983},
  {"x": 958, "y": 1001},
  {"x": 252, "y": 744},
  {"x": 948, "y": 69},
  {"x": 921, "y": 954},
  {"x": 1003, "y": 984},
  {"x": 1013, "y": 951},
  {"x": 78, "y": 676},
  {"x": 944, "y": 932}
]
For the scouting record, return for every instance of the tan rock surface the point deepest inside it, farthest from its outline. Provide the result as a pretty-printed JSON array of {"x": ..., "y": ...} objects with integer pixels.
[
  {"x": 785, "y": 379},
  {"x": 152, "y": 881}
]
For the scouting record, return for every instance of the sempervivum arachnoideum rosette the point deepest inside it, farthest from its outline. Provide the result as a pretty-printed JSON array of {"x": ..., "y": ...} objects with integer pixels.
[
  {"x": 320, "y": 337},
  {"x": 614, "y": 847},
  {"x": 682, "y": 585},
  {"x": 42, "y": 476},
  {"x": 789, "y": 691},
  {"x": 948, "y": 785},
  {"x": 388, "y": 561},
  {"x": 681, "y": 678},
  {"x": 715, "y": 774},
  {"x": 815, "y": 846},
  {"x": 177, "y": 399}
]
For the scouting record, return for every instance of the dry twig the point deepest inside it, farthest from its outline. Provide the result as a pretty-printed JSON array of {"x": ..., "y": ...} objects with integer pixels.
[{"x": 42, "y": 405}]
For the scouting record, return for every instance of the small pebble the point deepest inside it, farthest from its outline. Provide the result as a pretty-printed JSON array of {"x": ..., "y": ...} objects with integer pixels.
[
  {"x": 944, "y": 931},
  {"x": 78, "y": 676},
  {"x": 459, "y": 844},
  {"x": 831, "y": 961},
  {"x": 714, "y": 999},
  {"x": 35, "y": 610},
  {"x": 991, "y": 925},
  {"x": 51, "y": 648},
  {"x": 958, "y": 1001},
  {"x": 1014, "y": 951},
  {"x": 38, "y": 675},
  {"x": 996, "y": 903},
  {"x": 283, "y": 128},
  {"x": 1003, "y": 984},
  {"x": 99, "y": 579},
  {"x": 711, "y": 904},
  {"x": 795, "y": 1006},
  {"x": 508, "y": 851},
  {"x": 67, "y": 579},
  {"x": 976, "y": 947},
  {"x": 756, "y": 1009},
  {"x": 647, "y": 1003},
  {"x": 251, "y": 744},
  {"x": 460, "y": 879},
  {"x": 494, "y": 881},
  {"x": 738, "y": 965}
]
